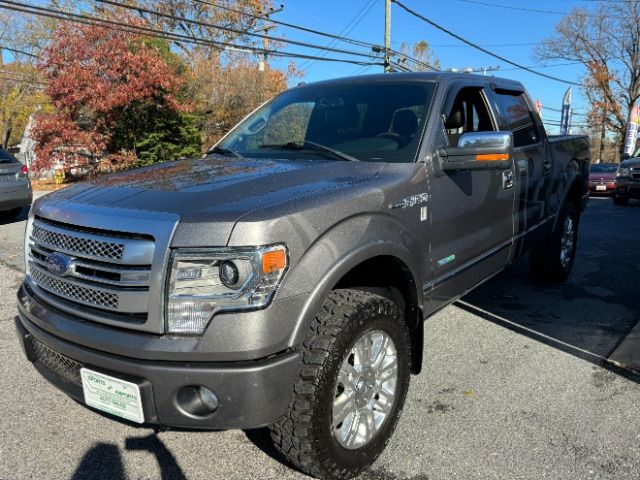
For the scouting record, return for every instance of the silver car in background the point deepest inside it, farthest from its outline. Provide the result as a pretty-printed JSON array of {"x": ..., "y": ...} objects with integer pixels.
[{"x": 15, "y": 187}]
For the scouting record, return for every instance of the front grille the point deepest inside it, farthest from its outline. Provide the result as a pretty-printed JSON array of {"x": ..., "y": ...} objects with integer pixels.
[
  {"x": 71, "y": 291},
  {"x": 99, "y": 275},
  {"x": 62, "y": 365},
  {"x": 77, "y": 245}
]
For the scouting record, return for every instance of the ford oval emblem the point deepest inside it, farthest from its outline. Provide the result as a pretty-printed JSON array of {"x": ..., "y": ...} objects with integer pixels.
[{"x": 59, "y": 264}]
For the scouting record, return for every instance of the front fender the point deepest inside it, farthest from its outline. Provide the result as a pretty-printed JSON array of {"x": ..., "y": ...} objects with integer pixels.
[{"x": 342, "y": 248}]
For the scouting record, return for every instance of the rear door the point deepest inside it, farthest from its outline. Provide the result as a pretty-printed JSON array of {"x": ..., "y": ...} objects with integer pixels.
[
  {"x": 533, "y": 162},
  {"x": 471, "y": 210},
  {"x": 11, "y": 176}
]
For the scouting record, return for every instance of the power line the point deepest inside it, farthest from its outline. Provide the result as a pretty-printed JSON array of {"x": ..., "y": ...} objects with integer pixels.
[
  {"x": 229, "y": 29},
  {"x": 353, "y": 41},
  {"x": 535, "y": 10},
  {"x": 362, "y": 13},
  {"x": 478, "y": 47},
  {"x": 113, "y": 25},
  {"x": 290, "y": 25},
  {"x": 545, "y": 66},
  {"x": 532, "y": 10},
  {"x": 487, "y": 46},
  {"x": 22, "y": 52}
]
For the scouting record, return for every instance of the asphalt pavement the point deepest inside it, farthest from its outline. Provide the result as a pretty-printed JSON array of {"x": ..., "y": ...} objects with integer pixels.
[{"x": 519, "y": 382}]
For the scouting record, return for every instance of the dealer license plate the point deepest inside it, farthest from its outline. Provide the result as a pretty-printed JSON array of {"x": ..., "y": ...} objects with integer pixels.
[
  {"x": 112, "y": 395},
  {"x": 601, "y": 187}
]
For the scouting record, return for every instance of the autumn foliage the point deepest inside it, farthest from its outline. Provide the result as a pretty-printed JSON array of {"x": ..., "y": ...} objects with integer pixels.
[{"x": 96, "y": 77}]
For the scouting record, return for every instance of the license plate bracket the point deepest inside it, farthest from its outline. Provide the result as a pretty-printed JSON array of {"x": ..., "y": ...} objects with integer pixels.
[{"x": 112, "y": 395}]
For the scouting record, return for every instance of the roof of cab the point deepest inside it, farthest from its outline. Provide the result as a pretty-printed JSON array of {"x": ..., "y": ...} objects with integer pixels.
[{"x": 419, "y": 76}]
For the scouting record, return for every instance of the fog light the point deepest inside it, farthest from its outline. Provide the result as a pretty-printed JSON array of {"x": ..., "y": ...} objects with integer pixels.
[
  {"x": 208, "y": 398},
  {"x": 197, "y": 401}
]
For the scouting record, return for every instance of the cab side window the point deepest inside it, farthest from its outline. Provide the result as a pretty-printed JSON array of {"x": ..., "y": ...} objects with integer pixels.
[
  {"x": 518, "y": 117},
  {"x": 468, "y": 112}
]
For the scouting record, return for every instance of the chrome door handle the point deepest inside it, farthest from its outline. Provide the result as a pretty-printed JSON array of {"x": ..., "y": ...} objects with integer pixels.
[{"x": 507, "y": 180}]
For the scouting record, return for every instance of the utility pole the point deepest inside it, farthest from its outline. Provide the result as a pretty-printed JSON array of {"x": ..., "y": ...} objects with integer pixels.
[
  {"x": 603, "y": 132},
  {"x": 265, "y": 40},
  {"x": 387, "y": 36}
]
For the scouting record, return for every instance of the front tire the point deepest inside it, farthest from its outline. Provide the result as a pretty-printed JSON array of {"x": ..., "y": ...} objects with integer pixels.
[
  {"x": 352, "y": 386},
  {"x": 552, "y": 260}
]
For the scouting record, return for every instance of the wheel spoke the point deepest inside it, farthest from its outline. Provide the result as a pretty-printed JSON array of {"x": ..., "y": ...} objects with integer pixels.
[
  {"x": 388, "y": 371},
  {"x": 352, "y": 429},
  {"x": 343, "y": 405},
  {"x": 366, "y": 350},
  {"x": 383, "y": 403},
  {"x": 380, "y": 352},
  {"x": 347, "y": 375}
]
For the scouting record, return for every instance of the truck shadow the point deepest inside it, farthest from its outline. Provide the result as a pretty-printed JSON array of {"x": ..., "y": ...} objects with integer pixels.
[
  {"x": 583, "y": 317},
  {"x": 7, "y": 219}
]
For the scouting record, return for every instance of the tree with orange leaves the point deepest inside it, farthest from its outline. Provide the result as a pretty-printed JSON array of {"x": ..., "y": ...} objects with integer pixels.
[
  {"x": 111, "y": 90},
  {"x": 607, "y": 41}
]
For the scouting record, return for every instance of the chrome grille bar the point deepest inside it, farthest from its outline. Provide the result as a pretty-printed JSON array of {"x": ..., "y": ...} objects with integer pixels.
[
  {"x": 95, "y": 246},
  {"x": 89, "y": 294},
  {"x": 96, "y": 271}
]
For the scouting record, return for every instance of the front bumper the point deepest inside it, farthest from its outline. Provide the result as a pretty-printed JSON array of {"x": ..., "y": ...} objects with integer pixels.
[
  {"x": 251, "y": 394},
  {"x": 16, "y": 199}
]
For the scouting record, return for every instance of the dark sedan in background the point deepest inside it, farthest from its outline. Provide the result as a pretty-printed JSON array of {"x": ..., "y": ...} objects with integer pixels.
[
  {"x": 601, "y": 178},
  {"x": 627, "y": 182},
  {"x": 15, "y": 187}
]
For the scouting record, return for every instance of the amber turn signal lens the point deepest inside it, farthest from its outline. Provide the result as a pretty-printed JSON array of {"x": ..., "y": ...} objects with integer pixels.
[
  {"x": 492, "y": 156},
  {"x": 274, "y": 261}
]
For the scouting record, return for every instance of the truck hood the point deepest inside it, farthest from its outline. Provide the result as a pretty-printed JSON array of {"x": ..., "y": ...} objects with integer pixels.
[{"x": 216, "y": 190}]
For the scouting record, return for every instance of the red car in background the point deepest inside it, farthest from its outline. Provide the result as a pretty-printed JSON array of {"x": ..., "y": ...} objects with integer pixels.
[{"x": 601, "y": 178}]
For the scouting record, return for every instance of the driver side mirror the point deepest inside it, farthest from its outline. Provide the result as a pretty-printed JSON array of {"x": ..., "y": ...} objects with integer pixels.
[{"x": 479, "y": 151}]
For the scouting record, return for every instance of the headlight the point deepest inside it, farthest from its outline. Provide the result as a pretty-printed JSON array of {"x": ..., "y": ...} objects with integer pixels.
[
  {"x": 205, "y": 282},
  {"x": 623, "y": 172}
]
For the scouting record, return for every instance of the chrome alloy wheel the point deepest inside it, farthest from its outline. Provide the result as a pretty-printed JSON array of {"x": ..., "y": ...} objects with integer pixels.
[
  {"x": 567, "y": 242},
  {"x": 366, "y": 390}
]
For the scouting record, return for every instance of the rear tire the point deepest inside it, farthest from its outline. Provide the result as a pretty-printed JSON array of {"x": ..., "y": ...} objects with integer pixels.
[
  {"x": 352, "y": 386},
  {"x": 620, "y": 201},
  {"x": 552, "y": 260}
]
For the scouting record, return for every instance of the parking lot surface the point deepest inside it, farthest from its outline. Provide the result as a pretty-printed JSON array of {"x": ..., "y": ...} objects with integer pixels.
[{"x": 519, "y": 382}]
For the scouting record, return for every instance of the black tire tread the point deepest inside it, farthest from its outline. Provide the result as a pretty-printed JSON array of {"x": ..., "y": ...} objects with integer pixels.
[
  {"x": 544, "y": 258},
  {"x": 292, "y": 435}
]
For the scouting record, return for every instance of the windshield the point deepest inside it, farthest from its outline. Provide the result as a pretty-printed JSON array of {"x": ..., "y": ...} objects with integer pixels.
[
  {"x": 375, "y": 122},
  {"x": 604, "y": 168}
]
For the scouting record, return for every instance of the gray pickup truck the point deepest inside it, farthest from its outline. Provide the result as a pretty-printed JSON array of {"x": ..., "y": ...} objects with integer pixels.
[{"x": 283, "y": 279}]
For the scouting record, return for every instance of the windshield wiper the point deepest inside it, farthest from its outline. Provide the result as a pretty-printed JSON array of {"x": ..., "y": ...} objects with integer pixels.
[
  {"x": 307, "y": 145},
  {"x": 226, "y": 152}
]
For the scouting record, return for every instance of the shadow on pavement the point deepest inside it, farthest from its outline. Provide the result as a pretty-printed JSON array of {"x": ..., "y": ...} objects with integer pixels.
[
  {"x": 7, "y": 218},
  {"x": 104, "y": 460},
  {"x": 595, "y": 311}
]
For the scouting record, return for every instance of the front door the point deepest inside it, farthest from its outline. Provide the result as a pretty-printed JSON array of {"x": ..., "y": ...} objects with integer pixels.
[{"x": 471, "y": 210}]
